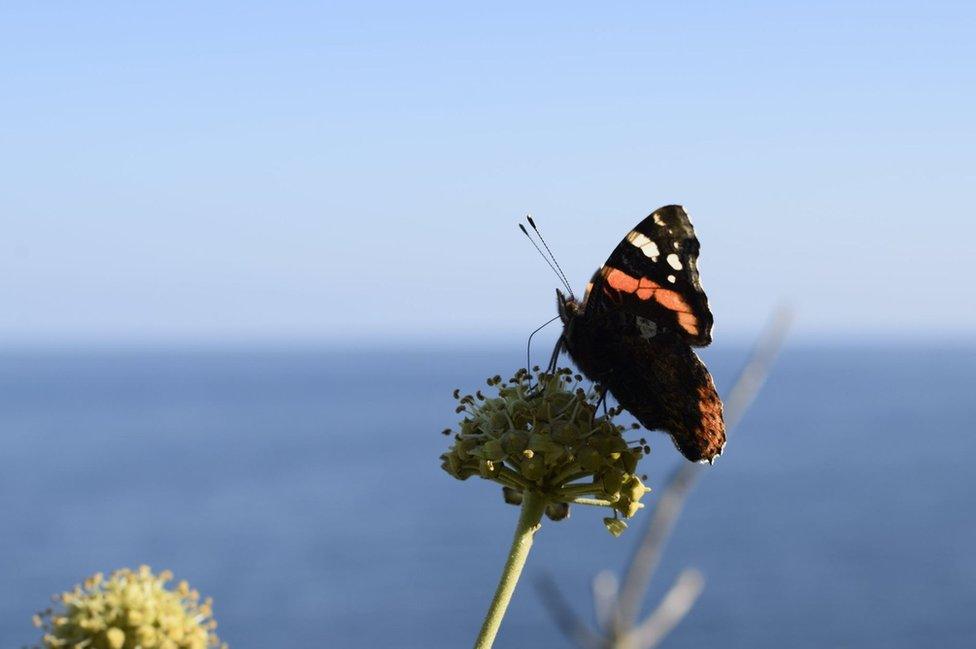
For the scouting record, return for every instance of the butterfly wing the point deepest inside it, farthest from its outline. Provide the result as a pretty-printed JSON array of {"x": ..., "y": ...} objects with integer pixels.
[
  {"x": 641, "y": 313},
  {"x": 653, "y": 273},
  {"x": 656, "y": 377}
]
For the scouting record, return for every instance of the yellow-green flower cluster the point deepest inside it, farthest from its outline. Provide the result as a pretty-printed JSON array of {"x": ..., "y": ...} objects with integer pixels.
[
  {"x": 129, "y": 610},
  {"x": 542, "y": 433}
]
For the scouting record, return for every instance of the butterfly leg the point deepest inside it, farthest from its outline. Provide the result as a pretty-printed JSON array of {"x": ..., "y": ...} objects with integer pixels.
[
  {"x": 550, "y": 368},
  {"x": 601, "y": 401},
  {"x": 554, "y": 359}
]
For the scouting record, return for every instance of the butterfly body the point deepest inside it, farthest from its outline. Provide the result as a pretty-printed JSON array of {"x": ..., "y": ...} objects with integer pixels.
[{"x": 634, "y": 329}]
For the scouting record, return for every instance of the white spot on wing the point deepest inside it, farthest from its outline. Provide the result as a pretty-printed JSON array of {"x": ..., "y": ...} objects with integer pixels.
[
  {"x": 651, "y": 250},
  {"x": 648, "y": 247},
  {"x": 637, "y": 238},
  {"x": 671, "y": 278},
  {"x": 674, "y": 262},
  {"x": 658, "y": 219}
]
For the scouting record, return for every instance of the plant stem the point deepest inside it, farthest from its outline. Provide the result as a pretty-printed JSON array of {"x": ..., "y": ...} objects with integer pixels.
[
  {"x": 593, "y": 502},
  {"x": 533, "y": 505},
  {"x": 575, "y": 490}
]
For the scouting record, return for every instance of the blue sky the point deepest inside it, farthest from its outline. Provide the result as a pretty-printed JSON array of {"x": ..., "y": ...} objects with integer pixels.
[{"x": 308, "y": 171}]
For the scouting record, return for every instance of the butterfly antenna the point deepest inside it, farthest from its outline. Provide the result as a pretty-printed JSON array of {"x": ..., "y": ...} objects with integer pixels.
[
  {"x": 528, "y": 345},
  {"x": 528, "y": 218},
  {"x": 561, "y": 277}
]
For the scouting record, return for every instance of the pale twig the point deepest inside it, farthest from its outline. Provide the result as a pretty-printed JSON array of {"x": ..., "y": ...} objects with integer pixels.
[
  {"x": 648, "y": 553},
  {"x": 756, "y": 370},
  {"x": 604, "y": 588},
  {"x": 673, "y": 608},
  {"x": 565, "y": 618}
]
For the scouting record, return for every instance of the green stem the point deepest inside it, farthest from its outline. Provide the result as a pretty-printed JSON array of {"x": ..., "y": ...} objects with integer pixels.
[
  {"x": 571, "y": 491},
  {"x": 593, "y": 502},
  {"x": 533, "y": 506},
  {"x": 506, "y": 473},
  {"x": 568, "y": 475}
]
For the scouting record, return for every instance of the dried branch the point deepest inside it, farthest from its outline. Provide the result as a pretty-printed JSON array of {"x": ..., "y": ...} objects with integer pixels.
[
  {"x": 565, "y": 617},
  {"x": 756, "y": 370},
  {"x": 674, "y": 606},
  {"x": 605, "y": 587},
  {"x": 648, "y": 553}
]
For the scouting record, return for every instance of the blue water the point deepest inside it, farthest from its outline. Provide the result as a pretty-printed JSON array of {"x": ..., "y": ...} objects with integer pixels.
[{"x": 301, "y": 489}]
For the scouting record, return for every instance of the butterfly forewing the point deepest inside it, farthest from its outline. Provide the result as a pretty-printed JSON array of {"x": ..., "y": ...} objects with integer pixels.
[{"x": 653, "y": 273}]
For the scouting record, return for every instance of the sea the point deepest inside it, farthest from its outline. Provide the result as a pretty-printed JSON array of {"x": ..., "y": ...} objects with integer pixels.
[{"x": 301, "y": 489}]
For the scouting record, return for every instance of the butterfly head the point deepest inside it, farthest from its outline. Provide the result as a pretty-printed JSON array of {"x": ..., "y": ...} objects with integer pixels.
[{"x": 567, "y": 307}]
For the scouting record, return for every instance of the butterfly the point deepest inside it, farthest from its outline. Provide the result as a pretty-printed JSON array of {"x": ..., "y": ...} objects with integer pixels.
[{"x": 634, "y": 329}]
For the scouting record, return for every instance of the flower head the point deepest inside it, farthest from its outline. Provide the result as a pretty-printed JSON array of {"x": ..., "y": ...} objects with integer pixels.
[
  {"x": 541, "y": 433},
  {"x": 129, "y": 609}
]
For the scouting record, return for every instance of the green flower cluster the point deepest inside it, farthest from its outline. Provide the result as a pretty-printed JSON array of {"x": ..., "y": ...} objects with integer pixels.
[
  {"x": 542, "y": 433},
  {"x": 129, "y": 610}
]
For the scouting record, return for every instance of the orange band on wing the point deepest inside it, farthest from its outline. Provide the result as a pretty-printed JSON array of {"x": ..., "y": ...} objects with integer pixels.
[
  {"x": 671, "y": 300},
  {"x": 646, "y": 289},
  {"x": 621, "y": 281},
  {"x": 688, "y": 322}
]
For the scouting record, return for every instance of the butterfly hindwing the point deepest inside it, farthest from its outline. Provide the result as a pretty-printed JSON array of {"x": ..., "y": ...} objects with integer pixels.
[
  {"x": 653, "y": 273},
  {"x": 657, "y": 378}
]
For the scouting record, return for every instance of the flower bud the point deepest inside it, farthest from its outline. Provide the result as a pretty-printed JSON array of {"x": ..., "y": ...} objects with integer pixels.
[
  {"x": 115, "y": 638},
  {"x": 615, "y": 526},
  {"x": 512, "y": 496},
  {"x": 557, "y": 511}
]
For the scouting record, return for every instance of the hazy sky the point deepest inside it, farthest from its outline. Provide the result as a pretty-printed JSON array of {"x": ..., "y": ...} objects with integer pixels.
[{"x": 294, "y": 171}]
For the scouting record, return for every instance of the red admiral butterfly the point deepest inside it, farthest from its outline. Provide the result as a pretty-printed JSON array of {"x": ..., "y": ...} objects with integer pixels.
[{"x": 633, "y": 332}]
